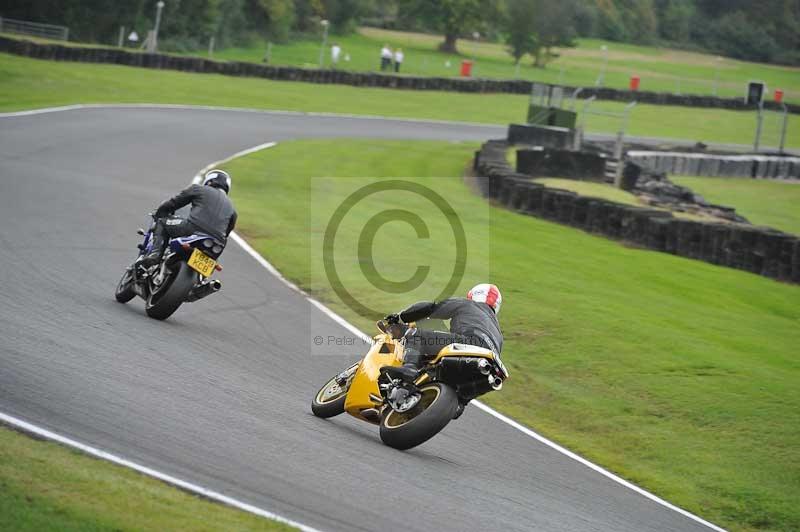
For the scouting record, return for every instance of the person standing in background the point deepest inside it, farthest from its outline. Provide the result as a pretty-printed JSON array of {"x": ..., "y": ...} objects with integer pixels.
[
  {"x": 386, "y": 57},
  {"x": 336, "y": 51},
  {"x": 398, "y": 59}
]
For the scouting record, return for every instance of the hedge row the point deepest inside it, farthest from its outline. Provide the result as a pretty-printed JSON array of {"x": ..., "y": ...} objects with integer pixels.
[
  {"x": 754, "y": 249},
  {"x": 115, "y": 56}
]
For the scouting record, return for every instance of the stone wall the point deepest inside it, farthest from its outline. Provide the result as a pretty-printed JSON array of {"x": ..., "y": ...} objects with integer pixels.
[
  {"x": 762, "y": 251},
  {"x": 118, "y": 56}
]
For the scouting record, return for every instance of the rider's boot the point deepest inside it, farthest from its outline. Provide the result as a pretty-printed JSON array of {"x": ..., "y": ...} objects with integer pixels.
[
  {"x": 409, "y": 371},
  {"x": 154, "y": 257}
]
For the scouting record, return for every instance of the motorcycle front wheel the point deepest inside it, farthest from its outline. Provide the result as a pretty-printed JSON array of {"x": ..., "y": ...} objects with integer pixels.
[
  {"x": 330, "y": 399},
  {"x": 435, "y": 409},
  {"x": 166, "y": 299},
  {"x": 124, "y": 291}
]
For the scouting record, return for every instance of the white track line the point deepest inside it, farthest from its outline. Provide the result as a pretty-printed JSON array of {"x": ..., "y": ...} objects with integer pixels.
[
  {"x": 194, "y": 488},
  {"x": 75, "y": 107},
  {"x": 347, "y": 325},
  {"x": 489, "y": 410}
]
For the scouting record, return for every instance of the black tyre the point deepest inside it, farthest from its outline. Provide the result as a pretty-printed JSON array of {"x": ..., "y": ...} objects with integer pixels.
[
  {"x": 329, "y": 400},
  {"x": 164, "y": 301},
  {"x": 124, "y": 291},
  {"x": 433, "y": 412}
]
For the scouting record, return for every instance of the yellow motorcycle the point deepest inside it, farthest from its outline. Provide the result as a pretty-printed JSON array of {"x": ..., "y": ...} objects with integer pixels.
[{"x": 410, "y": 413}]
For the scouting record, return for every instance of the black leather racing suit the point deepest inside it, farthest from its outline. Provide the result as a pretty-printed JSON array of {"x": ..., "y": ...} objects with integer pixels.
[
  {"x": 471, "y": 323},
  {"x": 212, "y": 213}
]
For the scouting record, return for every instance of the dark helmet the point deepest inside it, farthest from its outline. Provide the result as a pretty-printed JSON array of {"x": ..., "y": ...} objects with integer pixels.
[{"x": 218, "y": 179}]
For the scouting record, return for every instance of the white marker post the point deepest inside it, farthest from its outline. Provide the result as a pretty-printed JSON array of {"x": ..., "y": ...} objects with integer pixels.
[
  {"x": 153, "y": 43},
  {"x": 325, "y": 24}
]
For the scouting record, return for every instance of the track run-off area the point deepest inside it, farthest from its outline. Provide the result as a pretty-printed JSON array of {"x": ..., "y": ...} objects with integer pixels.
[{"x": 218, "y": 395}]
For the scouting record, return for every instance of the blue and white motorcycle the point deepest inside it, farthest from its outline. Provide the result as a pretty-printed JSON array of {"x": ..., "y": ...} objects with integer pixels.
[{"x": 182, "y": 276}]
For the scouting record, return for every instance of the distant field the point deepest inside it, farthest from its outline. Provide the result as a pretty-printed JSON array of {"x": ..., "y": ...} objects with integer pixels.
[
  {"x": 29, "y": 83},
  {"x": 771, "y": 203},
  {"x": 662, "y": 70},
  {"x": 679, "y": 375}
]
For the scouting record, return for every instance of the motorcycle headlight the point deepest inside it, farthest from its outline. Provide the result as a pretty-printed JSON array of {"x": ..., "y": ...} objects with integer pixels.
[
  {"x": 208, "y": 242},
  {"x": 217, "y": 249}
]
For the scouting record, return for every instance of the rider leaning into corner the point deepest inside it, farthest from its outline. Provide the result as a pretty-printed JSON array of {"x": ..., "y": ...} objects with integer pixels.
[
  {"x": 473, "y": 321},
  {"x": 212, "y": 213}
]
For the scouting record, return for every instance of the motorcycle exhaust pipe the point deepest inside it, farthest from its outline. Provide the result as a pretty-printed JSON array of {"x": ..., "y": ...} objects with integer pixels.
[
  {"x": 484, "y": 366},
  {"x": 204, "y": 290},
  {"x": 495, "y": 382}
]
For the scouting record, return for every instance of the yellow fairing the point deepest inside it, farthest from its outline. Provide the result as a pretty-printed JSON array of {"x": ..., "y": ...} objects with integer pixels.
[
  {"x": 463, "y": 350},
  {"x": 365, "y": 381}
]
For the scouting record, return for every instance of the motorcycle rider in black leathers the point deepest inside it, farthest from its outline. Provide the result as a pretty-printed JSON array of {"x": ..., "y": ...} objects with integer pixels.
[
  {"x": 212, "y": 213},
  {"x": 473, "y": 321}
]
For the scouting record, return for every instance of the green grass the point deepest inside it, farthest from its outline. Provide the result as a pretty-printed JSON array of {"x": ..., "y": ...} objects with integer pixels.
[
  {"x": 659, "y": 69},
  {"x": 44, "y": 486},
  {"x": 594, "y": 190},
  {"x": 679, "y": 375},
  {"x": 771, "y": 203},
  {"x": 29, "y": 83}
]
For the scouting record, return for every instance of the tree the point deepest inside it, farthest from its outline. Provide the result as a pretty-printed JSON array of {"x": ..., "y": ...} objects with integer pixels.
[
  {"x": 452, "y": 17},
  {"x": 554, "y": 27},
  {"x": 675, "y": 19},
  {"x": 521, "y": 29}
]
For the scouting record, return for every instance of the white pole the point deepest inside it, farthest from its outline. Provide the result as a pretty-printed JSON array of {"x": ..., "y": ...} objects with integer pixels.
[
  {"x": 159, "y": 7},
  {"x": 601, "y": 79},
  {"x": 121, "y": 36},
  {"x": 325, "y": 25},
  {"x": 759, "y": 123},
  {"x": 211, "y": 47},
  {"x": 783, "y": 128}
]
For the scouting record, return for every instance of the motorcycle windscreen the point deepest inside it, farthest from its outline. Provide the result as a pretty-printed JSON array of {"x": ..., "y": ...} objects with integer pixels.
[{"x": 365, "y": 381}]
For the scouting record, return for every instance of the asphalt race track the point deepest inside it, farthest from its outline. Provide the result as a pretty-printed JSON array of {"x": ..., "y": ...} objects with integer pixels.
[{"x": 219, "y": 394}]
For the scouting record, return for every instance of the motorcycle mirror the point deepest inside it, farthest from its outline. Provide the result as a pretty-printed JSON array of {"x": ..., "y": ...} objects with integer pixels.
[{"x": 140, "y": 231}]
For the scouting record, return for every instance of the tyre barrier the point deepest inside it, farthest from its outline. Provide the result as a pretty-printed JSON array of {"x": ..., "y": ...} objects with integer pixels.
[
  {"x": 758, "y": 250},
  {"x": 545, "y": 162},
  {"x": 118, "y": 56},
  {"x": 711, "y": 165}
]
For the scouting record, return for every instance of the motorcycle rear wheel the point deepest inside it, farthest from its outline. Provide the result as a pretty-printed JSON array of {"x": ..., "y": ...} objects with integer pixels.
[
  {"x": 404, "y": 430},
  {"x": 163, "y": 303},
  {"x": 124, "y": 291},
  {"x": 330, "y": 399}
]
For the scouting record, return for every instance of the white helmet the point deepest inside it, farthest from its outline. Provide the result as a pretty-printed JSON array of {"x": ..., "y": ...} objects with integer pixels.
[
  {"x": 218, "y": 179},
  {"x": 486, "y": 293}
]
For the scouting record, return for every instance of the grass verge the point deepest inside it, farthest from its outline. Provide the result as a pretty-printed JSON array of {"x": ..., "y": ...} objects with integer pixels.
[
  {"x": 679, "y": 375},
  {"x": 29, "y": 83},
  {"x": 660, "y": 69},
  {"x": 771, "y": 203},
  {"x": 594, "y": 190},
  {"x": 44, "y": 486}
]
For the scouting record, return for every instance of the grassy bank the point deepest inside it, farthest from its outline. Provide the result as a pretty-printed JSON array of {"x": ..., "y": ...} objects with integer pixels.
[
  {"x": 677, "y": 374},
  {"x": 29, "y": 83},
  {"x": 44, "y": 486},
  {"x": 661, "y": 70},
  {"x": 771, "y": 203}
]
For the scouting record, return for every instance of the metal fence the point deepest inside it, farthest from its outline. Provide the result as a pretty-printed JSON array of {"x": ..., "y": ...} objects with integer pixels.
[{"x": 35, "y": 29}]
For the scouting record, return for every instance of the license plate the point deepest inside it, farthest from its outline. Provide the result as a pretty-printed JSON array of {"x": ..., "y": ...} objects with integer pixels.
[{"x": 202, "y": 263}]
